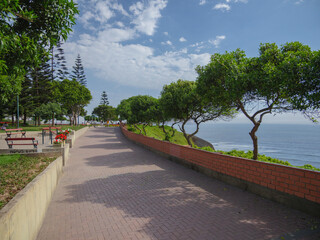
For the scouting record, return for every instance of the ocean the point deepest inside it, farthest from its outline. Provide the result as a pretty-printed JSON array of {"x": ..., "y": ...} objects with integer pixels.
[{"x": 297, "y": 144}]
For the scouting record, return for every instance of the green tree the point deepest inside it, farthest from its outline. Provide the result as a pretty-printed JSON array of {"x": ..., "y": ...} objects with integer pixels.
[
  {"x": 104, "y": 98},
  {"x": 73, "y": 96},
  {"x": 181, "y": 101},
  {"x": 78, "y": 72},
  {"x": 143, "y": 109},
  {"x": 123, "y": 110},
  {"x": 26, "y": 29},
  {"x": 60, "y": 65},
  {"x": 256, "y": 86},
  {"x": 104, "y": 112},
  {"x": 49, "y": 111}
]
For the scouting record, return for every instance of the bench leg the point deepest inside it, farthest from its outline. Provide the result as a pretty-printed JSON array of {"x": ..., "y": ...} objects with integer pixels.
[{"x": 10, "y": 146}]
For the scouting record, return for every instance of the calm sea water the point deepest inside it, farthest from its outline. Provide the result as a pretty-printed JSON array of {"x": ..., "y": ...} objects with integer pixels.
[{"x": 297, "y": 144}]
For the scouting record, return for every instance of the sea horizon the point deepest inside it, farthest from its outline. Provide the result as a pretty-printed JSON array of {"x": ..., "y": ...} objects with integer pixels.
[{"x": 296, "y": 143}]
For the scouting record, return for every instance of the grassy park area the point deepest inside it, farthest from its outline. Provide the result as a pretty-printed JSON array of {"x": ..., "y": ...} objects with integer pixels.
[
  {"x": 16, "y": 171},
  {"x": 157, "y": 133},
  {"x": 38, "y": 128}
]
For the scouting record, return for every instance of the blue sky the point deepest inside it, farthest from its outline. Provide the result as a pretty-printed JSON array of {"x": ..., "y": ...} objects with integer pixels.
[{"x": 131, "y": 47}]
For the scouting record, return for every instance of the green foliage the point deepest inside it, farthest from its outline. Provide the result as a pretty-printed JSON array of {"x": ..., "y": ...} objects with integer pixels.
[
  {"x": 72, "y": 95},
  {"x": 141, "y": 109},
  {"x": 157, "y": 133},
  {"x": 261, "y": 157},
  {"x": 124, "y": 109},
  {"x": 8, "y": 159},
  {"x": 78, "y": 72},
  {"x": 208, "y": 149},
  {"x": 104, "y": 98},
  {"x": 105, "y": 112},
  {"x": 26, "y": 29},
  {"x": 49, "y": 111},
  {"x": 181, "y": 101},
  {"x": 276, "y": 81}
]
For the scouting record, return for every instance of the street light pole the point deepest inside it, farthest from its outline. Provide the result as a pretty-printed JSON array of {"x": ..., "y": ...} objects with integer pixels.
[{"x": 18, "y": 111}]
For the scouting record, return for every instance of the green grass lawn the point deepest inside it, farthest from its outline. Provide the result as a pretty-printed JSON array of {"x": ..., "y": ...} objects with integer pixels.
[
  {"x": 38, "y": 128},
  {"x": 157, "y": 133},
  {"x": 16, "y": 171}
]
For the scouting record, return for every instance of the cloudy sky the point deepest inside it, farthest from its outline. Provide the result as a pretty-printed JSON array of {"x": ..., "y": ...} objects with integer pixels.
[{"x": 131, "y": 47}]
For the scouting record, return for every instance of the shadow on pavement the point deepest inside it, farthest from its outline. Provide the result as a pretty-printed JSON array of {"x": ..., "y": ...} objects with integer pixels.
[{"x": 166, "y": 200}]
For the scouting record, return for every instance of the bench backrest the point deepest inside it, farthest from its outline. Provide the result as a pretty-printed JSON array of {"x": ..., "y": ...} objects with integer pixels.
[
  {"x": 16, "y": 129},
  {"x": 19, "y": 139}
]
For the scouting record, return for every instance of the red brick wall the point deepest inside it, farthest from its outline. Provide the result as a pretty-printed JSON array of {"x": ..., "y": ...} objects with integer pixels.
[{"x": 299, "y": 182}]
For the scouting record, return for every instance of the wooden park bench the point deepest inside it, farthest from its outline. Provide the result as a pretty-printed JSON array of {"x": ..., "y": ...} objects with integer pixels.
[
  {"x": 10, "y": 132},
  {"x": 51, "y": 129},
  {"x": 18, "y": 141}
]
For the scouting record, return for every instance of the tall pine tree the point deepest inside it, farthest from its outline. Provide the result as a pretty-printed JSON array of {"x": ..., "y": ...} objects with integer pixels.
[
  {"x": 104, "y": 99},
  {"x": 78, "y": 72},
  {"x": 61, "y": 63}
]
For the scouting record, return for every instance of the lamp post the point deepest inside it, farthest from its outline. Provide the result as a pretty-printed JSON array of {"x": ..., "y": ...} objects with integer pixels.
[{"x": 17, "y": 111}]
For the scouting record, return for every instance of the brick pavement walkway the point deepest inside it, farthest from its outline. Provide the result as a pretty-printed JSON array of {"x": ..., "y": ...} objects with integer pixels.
[{"x": 114, "y": 189}]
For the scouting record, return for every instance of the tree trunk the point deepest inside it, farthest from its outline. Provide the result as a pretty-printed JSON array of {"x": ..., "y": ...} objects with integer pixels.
[
  {"x": 25, "y": 118},
  {"x": 12, "y": 119},
  {"x": 185, "y": 133},
  {"x": 255, "y": 140},
  {"x": 144, "y": 129},
  {"x": 39, "y": 121},
  {"x": 173, "y": 130},
  {"x": 163, "y": 129},
  {"x": 137, "y": 128},
  {"x": 52, "y": 119}
]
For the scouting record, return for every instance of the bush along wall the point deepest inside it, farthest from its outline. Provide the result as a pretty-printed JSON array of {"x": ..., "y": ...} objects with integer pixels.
[{"x": 297, "y": 188}]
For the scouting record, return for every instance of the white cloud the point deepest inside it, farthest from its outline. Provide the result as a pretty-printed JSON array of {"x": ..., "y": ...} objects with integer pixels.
[
  {"x": 218, "y": 40},
  {"x": 120, "y": 24},
  {"x": 299, "y": 2},
  {"x": 132, "y": 64},
  {"x": 242, "y": 1},
  {"x": 119, "y": 8},
  {"x": 166, "y": 33},
  {"x": 222, "y": 7},
  {"x": 104, "y": 12},
  {"x": 167, "y": 43},
  {"x": 202, "y": 2},
  {"x": 86, "y": 17},
  {"x": 136, "y": 8},
  {"x": 236, "y": 1},
  {"x": 116, "y": 35},
  {"x": 100, "y": 11},
  {"x": 182, "y": 39},
  {"x": 146, "y": 17}
]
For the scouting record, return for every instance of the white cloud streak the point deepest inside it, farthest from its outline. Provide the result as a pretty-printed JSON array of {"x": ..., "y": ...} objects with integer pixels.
[
  {"x": 222, "y": 7},
  {"x": 182, "y": 39},
  {"x": 218, "y": 40}
]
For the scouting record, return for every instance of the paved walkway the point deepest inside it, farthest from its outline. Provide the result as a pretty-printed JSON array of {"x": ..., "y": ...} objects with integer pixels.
[{"x": 114, "y": 189}]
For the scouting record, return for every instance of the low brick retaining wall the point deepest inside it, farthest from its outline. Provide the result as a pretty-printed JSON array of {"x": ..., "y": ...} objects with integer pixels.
[{"x": 297, "y": 188}]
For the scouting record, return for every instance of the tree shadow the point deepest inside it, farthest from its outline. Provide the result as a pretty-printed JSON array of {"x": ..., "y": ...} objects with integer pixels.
[
  {"x": 159, "y": 199},
  {"x": 170, "y": 200}
]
